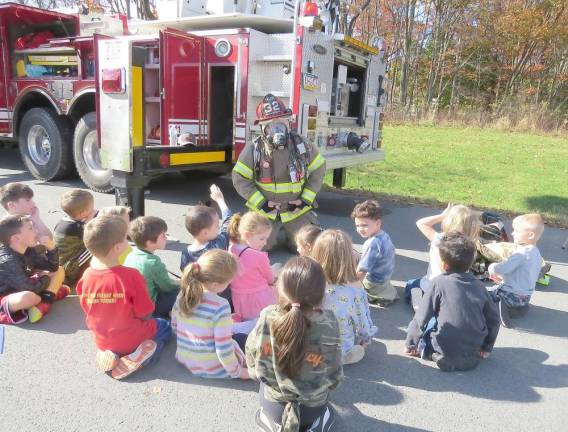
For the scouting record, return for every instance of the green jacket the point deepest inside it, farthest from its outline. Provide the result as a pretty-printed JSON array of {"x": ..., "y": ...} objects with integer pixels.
[
  {"x": 153, "y": 270},
  {"x": 320, "y": 372}
]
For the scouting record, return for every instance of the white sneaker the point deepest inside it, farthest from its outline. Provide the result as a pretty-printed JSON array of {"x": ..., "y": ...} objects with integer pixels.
[{"x": 354, "y": 356}]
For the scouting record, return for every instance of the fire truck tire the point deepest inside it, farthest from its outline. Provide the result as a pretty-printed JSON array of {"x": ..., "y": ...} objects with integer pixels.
[
  {"x": 45, "y": 144},
  {"x": 87, "y": 156}
]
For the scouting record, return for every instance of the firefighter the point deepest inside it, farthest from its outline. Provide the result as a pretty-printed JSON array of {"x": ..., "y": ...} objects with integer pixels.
[{"x": 279, "y": 173}]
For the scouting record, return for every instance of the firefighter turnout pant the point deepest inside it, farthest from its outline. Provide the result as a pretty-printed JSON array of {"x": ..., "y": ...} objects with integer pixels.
[{"x": 290, "y": 229}]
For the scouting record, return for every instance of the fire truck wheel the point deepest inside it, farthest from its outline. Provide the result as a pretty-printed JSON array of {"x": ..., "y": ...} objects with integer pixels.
[
  {"x": 87, "y": 155},
  {"x": 45, "y": 144}
]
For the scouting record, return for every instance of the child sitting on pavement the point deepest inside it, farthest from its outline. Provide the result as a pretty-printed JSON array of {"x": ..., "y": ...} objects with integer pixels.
[
  {"x": 202, "y": 223},
  {"x": 122, "y": 212},
  {"x": 295, "y": 353},
  {"x": 377, "y": 260},
  {"x": 78, "y": 205},
  {"x": 457, "y": 322},
  {"x": 201, "y": 319},
  {"x": 17, "y": 199},
  {"x": 29, "y": 281},
  {"x": 454, "y": 218},
  {"x": 252, "y": 288},
  {"x": 306, "y": 237},
  {"x": 518, "y": 275},
  {"x": 344, "y": 295},
  {"x": 116, "y": 303},
  {"x": 149, "y": 235}
]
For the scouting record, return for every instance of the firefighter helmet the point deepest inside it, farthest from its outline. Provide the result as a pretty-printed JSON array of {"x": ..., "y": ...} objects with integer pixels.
[{"x": 271, "y": 108}]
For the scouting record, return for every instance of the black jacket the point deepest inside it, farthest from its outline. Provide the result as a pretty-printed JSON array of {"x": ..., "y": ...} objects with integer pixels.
[{"x": 16, "y": 269}]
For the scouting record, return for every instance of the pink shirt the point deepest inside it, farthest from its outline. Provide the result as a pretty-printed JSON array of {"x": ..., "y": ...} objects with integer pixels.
[{"x": 254, "y": 273}]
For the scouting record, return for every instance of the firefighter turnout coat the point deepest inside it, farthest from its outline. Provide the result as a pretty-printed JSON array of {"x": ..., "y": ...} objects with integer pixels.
[{"x": 284, "y": 174}]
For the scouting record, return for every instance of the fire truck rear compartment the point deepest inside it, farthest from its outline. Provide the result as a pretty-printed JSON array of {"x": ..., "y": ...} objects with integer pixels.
[{"x": 221, "y": 114}]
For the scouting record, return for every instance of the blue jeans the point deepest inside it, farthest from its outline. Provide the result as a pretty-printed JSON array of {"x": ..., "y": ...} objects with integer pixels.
[
  {"x": 411, "y": 283},
  {"x": 425, "y": 343},
  {"x": 163, "y": 335}
]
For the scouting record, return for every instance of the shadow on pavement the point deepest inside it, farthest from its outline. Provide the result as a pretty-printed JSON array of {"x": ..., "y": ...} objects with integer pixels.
[
  {"x": 510, "y": 374},
  {"x": 544, "y": 321},
  {"x": 65, "y": 317}
]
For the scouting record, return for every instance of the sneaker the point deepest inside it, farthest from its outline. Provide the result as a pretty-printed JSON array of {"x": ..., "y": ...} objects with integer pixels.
[
  {"x": 323, "y": 423},
  {"x": 265, "y": 422},
  {"x": 63, "y": 292},
  {"x": 504, "y": 314},
  {"x": 37, "y": 312},
  {"x": 106, "y": 360},
  {"x": 354, "y": 356},
  {"x": 132, "y": 362}
]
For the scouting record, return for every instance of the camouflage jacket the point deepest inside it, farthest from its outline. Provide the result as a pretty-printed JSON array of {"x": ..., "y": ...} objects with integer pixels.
[{"x": 321, "y": 369}]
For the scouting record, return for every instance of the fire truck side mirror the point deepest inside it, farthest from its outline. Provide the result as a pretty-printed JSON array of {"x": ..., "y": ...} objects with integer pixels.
[{"x": 113, "y": 81}]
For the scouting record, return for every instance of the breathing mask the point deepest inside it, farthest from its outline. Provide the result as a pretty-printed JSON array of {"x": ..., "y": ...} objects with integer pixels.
[{"x": 276, "y": 133}]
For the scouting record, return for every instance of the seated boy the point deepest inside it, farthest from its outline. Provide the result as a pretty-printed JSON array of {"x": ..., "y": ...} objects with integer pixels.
[
  {"x": 124, "y": 213},
  {"x": 78, "y": 205},
  {"x": 202, "y": 222},
  {"x": 518, "y": 274},
  {"x": 149, "y": 235},
  {"x": 457, "y": 322},
  {"x": 17, "y": 199},
  {"x": 377, "y": 260},
  {"x": 29, "y": 281},
  {"x": 116, "y": 303}
]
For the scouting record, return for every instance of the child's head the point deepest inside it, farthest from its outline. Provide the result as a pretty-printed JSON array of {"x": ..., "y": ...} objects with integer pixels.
[
  {"x": 202, "y": 223},
  {"x": 305, "y": 239},
  {"x": 121, "y": 211},
  {"x": 334, "y": 251},
  {"x": 213, "y": 271},
  {"x": 105, "y": 236},
  {"x": 457, "y": 252},
  {"x": 148, "y": 232},
  {"x": 251, "y": 229},
  {"x": 78, "y": 204},
  {"x": 528, "y": 228},
  {"x": 367, "y": 216},
  {"x": 301, "y": 287},
  {"x": 17, "y": 198},
  {"x": 17, "y": 232},
  {"x": 462, "y": 219}
]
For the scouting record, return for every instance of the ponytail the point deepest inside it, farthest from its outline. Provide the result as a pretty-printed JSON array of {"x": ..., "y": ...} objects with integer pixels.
[
  {"x": 213, "y": 266},
  {"x": 192, "y": 288},
  {"x": 233, "y": 228},
  {"x": 302, "y": 286},
  {"x": 289, "y": 331}
]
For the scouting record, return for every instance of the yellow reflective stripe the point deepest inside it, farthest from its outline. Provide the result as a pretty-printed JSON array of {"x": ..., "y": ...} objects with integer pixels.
[
  {"x": 254, "y": 200},
  {"x": 316, "y": 163},
  {"x": 271, "y": 216},
  {"x": 308, "y": 195},
  {"x": 280, "y": 188},
  {"x": 243, "y": 170},
  {"x": 289, "y": 216}
]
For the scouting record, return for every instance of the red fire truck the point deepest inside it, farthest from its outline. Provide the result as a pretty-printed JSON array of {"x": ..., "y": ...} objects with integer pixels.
[{"x": 181, "y": 94}]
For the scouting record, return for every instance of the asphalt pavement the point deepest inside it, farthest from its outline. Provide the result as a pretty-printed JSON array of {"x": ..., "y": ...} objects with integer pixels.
[{"x": 49, "y": 382}]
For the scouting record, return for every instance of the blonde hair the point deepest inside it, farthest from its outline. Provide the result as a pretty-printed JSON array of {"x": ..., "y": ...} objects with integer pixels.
[
  {"x": 75, "y": 201},
  {"x": 531, "y": 222},
  {"x": 215, "y": 265},
  {"x": 462, "y": 219},
  {"x": 102, "y": 233},
  {"x": 115, "y": 211},
  {"x": 334, "y": 251},
  {"x": 250, "y": 222}
]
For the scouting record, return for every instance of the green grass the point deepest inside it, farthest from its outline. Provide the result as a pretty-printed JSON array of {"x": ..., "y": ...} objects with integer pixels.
[{"x": 484, "y": 168}]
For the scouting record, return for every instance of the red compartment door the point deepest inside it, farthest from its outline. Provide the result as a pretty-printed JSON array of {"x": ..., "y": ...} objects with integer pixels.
[{"x": 182, "y": 56}]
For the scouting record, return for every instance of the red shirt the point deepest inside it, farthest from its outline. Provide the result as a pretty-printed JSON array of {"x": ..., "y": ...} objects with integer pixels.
[{"x": 115, "y": 300}]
